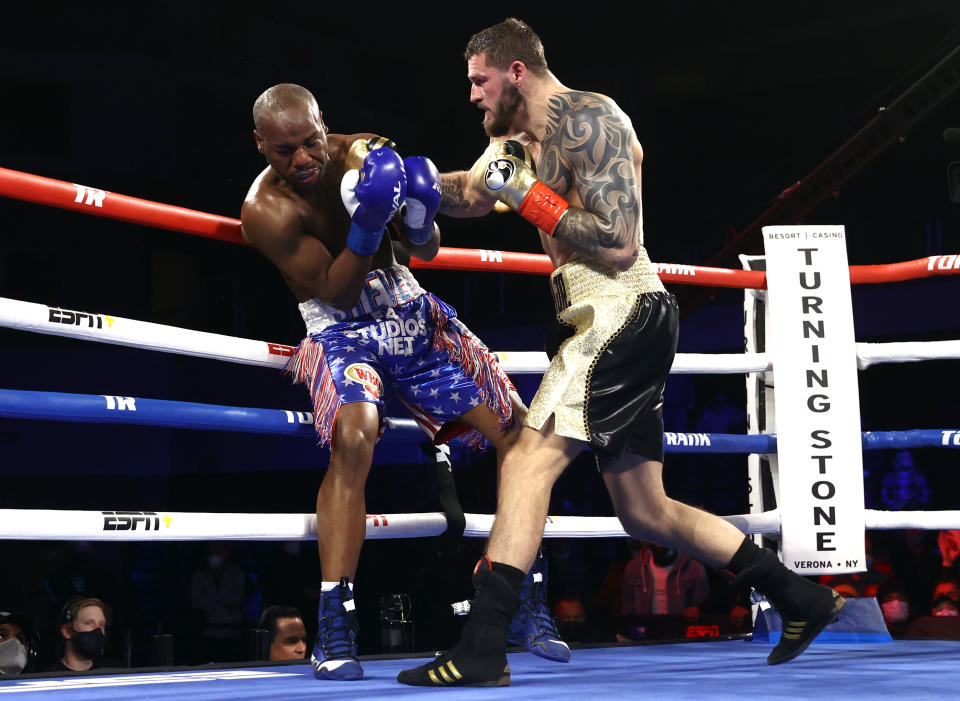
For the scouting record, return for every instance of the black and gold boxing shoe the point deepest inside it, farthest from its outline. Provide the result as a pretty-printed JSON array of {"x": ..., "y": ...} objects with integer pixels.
[
  {"x": 480, "y": 658},
  {"x": 459, "y": 668},
  {"x": 805, "y": 607},
  {"x": 804, "y": 622}
]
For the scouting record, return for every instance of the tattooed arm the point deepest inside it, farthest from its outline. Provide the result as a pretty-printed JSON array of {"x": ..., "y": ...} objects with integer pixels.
[
  {"x": 463, "y": 191},
  {"x": 458, "y": 198},
  {"x": 589, "y": 149}
]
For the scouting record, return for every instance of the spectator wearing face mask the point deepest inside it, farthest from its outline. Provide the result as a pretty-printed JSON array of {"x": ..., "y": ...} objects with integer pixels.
[
  {"x": 83, "y": 636},
  {"x": 19, "y": 643},
  {"x": 895, "y": 606},
  {"x": 571, "y": 617},
  {"x": 217, "y": 594},
  {"x": 943, "y": 623},
  {"x": 947, "y": 587}
]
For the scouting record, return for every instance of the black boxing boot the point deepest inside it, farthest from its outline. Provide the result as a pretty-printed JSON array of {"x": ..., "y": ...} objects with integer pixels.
[
  {"x": 480, "y": 658},
  {"x": 805, "y": 608}
]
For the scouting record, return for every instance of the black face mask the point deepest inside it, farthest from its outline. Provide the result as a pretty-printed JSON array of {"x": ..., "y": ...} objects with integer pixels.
[
  {"x": 573, "y": 631},
  {"x": 90, "y": 643}
]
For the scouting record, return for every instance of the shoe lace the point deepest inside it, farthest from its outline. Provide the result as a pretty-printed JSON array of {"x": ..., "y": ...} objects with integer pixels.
[
  {"x": 536, "y": 608},
  {"x": 336, "y": 633}
]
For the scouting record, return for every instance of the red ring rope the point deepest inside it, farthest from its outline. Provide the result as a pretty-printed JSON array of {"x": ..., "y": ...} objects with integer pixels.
[{"x": 79, "y": 198}]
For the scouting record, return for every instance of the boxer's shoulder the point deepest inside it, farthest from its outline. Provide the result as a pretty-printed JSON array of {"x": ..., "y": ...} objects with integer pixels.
[
  {"x": 270, "y": 208},
  {"x": 574, "y": 116},
  {"x": 566, "y": 101}
]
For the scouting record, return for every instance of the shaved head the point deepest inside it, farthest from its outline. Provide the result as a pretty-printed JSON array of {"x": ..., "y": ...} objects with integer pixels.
[{"x": 282, "y": 98}]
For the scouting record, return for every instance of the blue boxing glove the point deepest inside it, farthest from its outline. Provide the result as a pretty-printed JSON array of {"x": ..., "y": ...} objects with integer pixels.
[
  {"x": 423, "y": 198},
  {"x": 372, "y": 195}
]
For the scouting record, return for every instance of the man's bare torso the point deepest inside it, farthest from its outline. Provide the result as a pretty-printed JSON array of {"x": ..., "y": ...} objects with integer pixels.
[{"x": 318, "y": 211}]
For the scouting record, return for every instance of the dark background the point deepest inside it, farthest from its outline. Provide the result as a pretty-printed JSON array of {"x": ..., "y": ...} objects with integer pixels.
[{"x": 732, "y": 106}]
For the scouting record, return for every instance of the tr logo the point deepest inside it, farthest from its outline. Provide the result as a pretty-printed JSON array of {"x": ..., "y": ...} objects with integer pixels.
[
  {"x": 299, "y": 417},
  {"x": 120, "y": 403},
  {"x": 89, "y": 195}
]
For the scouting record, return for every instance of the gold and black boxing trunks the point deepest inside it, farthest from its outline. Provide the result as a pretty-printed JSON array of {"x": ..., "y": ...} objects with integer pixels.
[{"x": 610, "y": 350}]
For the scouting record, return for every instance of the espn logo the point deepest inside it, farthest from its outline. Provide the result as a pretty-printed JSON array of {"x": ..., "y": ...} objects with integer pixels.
[
  {"x": 71, "y": 318},
  {"x": 128, "y": 520}
]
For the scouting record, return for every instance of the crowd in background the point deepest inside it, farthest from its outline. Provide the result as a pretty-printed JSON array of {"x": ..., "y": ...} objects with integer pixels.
[{"x": 145, "y": 604}]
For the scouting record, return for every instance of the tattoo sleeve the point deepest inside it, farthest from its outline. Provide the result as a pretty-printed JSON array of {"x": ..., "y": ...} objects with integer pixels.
[
  {"x": 589, "y": 147},
  {"x": 452, "y": 197}
]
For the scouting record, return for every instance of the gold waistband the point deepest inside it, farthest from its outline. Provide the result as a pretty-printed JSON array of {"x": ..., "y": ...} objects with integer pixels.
[{"x": 577, "y": 281}]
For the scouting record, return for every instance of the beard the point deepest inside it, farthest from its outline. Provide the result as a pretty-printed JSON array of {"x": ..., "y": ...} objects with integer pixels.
[{"x": 502, "y": 117}]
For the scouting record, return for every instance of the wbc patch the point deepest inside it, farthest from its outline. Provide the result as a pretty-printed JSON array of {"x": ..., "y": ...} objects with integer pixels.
[{"x": 367, "y": 377}]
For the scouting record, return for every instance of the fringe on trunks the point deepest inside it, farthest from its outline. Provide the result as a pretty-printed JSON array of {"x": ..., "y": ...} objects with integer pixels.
[{"x": 309, "y": 366}]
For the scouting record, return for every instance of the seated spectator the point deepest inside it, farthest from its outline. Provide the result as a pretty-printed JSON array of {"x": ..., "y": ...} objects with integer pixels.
[
  {"x": 943, "y": 623},
  {"x": 905, "y": 487},
  {"x": 895, "y": 606},
  {"x": 83, "y": 635},
  {"x": 217, "y": 593},
  {"x": 916, "y": 564},
  {"x": 945, "y": 606},
  {"x": 947, "y": 587},
  {"x": 571, "y": 618},
  {"x": 661, "y": 580},
  {"x": 288, "y": 635},
  {"x": 19, "y": 643}
]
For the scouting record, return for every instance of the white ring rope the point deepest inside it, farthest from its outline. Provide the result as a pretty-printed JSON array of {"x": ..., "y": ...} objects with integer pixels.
[
  {"x": 41, "y": 524},
  {"x": 905, "y": 352},
  {"x": 39, "y": 318}
]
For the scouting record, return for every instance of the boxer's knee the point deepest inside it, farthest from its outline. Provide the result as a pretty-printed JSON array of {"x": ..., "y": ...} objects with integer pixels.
[
  {"x": 355, "y": 434},
  {"x": 651, "y": 519}
]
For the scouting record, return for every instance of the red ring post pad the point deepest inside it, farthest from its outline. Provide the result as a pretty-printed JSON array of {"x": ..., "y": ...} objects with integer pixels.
[{"x": 80, "y": 198}]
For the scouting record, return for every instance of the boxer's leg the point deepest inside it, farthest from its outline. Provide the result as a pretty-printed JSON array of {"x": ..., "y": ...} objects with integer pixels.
[
  {"x": 647, "y": 513},
  {"x": 341, "y": 508},
  {"x": 529, "y": 471}
]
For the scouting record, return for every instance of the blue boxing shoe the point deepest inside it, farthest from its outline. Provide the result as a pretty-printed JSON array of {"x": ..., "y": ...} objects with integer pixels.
[
  {"x": 533, "y": 627},
  {"x": 335, "y": 649}
]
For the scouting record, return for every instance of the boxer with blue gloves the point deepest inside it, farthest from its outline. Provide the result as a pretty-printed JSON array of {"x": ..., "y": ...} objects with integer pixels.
[{"x": 324, "y": 211}]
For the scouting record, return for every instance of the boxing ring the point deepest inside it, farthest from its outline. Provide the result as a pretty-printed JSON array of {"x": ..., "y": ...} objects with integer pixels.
[{"x": 723, "y": 669}]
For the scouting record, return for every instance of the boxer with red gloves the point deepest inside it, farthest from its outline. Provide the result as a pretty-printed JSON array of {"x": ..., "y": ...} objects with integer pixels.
[{"x": 611, "y": 349}]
